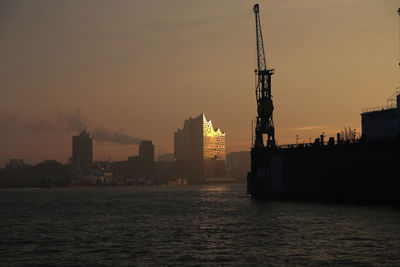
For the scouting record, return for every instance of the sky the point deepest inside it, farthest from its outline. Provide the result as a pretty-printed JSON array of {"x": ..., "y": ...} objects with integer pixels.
[{"x": 138, "y": 69}]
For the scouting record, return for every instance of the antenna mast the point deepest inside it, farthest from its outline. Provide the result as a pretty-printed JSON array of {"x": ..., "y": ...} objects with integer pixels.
[{"x": 265, "y": 107}]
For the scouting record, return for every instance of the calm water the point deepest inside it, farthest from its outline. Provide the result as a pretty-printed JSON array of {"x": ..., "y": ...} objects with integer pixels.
[{"x": 191, "y": 225}]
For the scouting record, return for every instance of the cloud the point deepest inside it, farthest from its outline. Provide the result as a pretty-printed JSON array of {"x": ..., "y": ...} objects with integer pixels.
[{"x": 307, "y": 128}]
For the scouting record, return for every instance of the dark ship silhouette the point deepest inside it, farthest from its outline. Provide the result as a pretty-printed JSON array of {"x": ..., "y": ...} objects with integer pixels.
[{"x": 363, "y": 169}]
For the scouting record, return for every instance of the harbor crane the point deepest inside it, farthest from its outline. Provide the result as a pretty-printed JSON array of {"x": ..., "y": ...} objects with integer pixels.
[{"x": 265, "y": 107}]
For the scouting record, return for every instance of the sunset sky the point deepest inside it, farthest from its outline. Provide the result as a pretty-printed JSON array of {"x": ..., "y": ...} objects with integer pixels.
[{"x": 142, "y": 67}]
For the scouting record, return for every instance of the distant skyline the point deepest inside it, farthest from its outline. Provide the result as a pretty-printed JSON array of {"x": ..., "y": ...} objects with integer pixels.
[{"x": 140, "y": 68}]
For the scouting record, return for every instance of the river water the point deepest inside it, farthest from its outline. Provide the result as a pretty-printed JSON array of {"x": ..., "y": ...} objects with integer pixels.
[{"x": 190, "y": 225}]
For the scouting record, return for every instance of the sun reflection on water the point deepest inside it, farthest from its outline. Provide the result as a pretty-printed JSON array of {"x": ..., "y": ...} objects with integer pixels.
[{"x": 214, "y": 188}]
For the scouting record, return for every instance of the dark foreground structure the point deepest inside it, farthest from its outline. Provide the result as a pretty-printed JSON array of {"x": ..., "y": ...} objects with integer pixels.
[
  {"x": 365, "y": 169},
  {"x": 354, "y": 171},
  {"x": 346, "y": 169}
]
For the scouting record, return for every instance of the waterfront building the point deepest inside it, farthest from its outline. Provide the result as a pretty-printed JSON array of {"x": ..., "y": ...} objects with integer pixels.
[
  {"x": 137, "y": 166},
  {"x": 82, "y": 151},
  {"x": 146, "y": 158},
  {"x": 166, "y": 157},
  {"x": 15, "y": 163},
  {"x": 199, "y": 150}
]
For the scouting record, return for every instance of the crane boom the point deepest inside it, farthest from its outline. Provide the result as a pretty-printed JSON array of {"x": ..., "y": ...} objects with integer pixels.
[
  {"x": 261, "y": 62},
  {"x": 265, "y": 107}
]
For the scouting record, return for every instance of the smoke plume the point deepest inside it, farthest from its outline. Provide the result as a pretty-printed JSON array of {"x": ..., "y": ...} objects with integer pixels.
[
  {"x": 102, "y": 134},
  {"x": 62, "y": 123},
  {"x": 66, "y": 123}
]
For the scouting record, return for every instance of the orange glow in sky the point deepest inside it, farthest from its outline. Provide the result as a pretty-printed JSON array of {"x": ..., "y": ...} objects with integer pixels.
[{"x": 145, "y": 66}]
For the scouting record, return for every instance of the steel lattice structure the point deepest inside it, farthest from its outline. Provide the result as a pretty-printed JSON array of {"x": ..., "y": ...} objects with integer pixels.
[{"x": 265, "y": 107}]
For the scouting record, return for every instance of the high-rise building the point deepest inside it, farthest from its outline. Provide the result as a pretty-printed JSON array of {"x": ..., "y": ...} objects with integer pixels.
[
  {"x": 146, "y": 157},
  {"x": 199, "y": 150},
  {"x": 82, "y": 151},
  {"x": 199, "y": 140}
]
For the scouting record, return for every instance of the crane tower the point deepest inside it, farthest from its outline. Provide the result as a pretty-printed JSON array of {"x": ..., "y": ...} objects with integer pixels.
[{"x": 265, "y": 107}]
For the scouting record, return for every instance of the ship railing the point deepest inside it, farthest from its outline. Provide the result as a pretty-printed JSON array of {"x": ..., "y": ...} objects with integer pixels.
[
  {"x": 380, "y": 108},
  {"x": 391, "y": 103},
  {"x": 309, "y": 145},
  {"x": 292, "y": 146}
]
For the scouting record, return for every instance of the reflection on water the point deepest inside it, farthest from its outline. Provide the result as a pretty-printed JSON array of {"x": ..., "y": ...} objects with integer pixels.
[
  {"x": 214, "y": 188},
  {"x": 200, "y": 225}
]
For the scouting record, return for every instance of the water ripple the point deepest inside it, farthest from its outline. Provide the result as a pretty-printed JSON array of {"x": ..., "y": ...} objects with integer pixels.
[{"x": 190, "y": 225}]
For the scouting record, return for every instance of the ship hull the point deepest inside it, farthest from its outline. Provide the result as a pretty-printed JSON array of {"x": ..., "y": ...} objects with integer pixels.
[{"x": 355, "y": 172}]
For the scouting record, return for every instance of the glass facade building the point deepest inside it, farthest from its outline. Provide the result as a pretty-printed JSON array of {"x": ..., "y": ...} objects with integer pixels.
[{"x": 199, "y": 150}]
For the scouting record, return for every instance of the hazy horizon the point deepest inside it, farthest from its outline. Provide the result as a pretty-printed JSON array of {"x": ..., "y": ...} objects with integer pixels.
[{"x": 137, "y": 69}]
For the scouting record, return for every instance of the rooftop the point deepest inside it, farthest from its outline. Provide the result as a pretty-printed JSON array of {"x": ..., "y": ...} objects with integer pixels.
[{"x": 392, "y": 102}]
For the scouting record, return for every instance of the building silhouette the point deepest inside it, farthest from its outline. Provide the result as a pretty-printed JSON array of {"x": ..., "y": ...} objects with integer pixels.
[
  {"x": 82, "y": 151},
  {"x": 382, "y": 123},
  {"x": 166, "y": 157},
  {"x": 15, "y": 163},
  {"x": 199, "y": 150},
  {"x": 146, "y": 158},
  {"x": 141, "y": 166}
]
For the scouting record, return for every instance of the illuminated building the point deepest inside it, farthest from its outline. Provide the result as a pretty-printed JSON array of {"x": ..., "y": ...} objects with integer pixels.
[
  {"x": 199, "y": 150},
  {"x": 82, "y": 151},
  {"x": 199, "y": 140}
]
